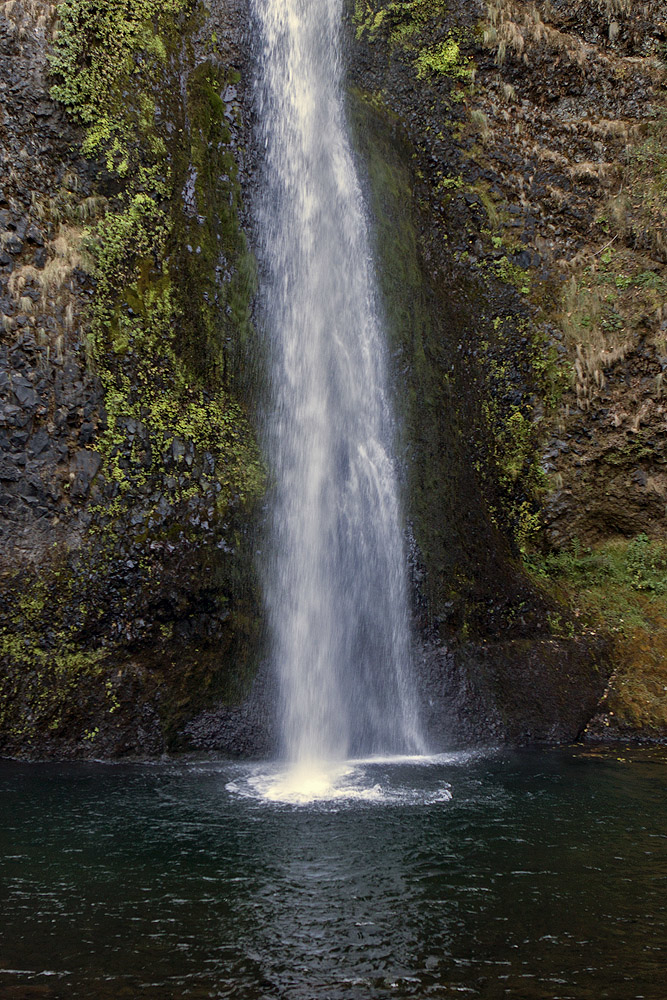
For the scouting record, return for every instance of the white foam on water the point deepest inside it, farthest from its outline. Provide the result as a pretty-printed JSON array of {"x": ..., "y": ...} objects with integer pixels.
[
  {"x": 375, "y": 780},
  {"x": 423, "y": 759}
]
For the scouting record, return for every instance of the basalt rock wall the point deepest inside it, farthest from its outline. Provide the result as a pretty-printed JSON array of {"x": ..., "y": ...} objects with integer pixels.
[
  {"x": 511, "y": 155},
  {"x": 129, "y": 471}
]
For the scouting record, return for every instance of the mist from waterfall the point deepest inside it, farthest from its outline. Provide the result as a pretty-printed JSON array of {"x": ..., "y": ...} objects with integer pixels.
[{"x": 335, "y": 573}]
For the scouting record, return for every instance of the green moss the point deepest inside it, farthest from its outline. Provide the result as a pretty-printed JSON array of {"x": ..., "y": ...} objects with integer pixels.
[
  {"x": 91, "y": 639},
  {"x": 221, "y": 327},
  {"x": 83, "y": 641},
  {"x": 403, "y": 18},
  {"x": 165, "y": 331},
  {"x": 517, "y": 368},
  {"x": 606, "y": 306},
  {"x": 511, "y": 274},
  {"x": 620, "y": 584},
  {"x": 107, "y": 56},
  {"x": 411, "y": 25},
  {"x": 44, "y": 666},
  {"x": 155, "y": 382},
  {"x": 367, "y": 18},
  {"x": 445, "y": 59}
]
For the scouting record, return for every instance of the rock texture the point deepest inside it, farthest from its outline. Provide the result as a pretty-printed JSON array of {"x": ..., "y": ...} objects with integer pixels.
[
  {"x": 128, "y": 598},
  {"x": 512, "y": 150},
  {"x": 514, "y": 153}
]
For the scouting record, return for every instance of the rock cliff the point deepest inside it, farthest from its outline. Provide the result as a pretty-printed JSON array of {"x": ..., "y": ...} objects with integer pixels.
[
  {"x": 521, "y": 146},
  {"x": 514, "y": 155},
  {"x": 128, "y": 469}
]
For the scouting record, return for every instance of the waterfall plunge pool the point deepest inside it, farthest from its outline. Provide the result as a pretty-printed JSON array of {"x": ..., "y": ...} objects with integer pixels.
[{"x": 536, "y": 874}]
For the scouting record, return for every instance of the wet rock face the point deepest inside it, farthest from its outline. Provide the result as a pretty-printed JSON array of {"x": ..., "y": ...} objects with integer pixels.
[
  {"x": 521, "y": 175},
  {"x": 46, "y": 393},
  {"x": 129, "y": 615},
  {"x": 537, "y": 690},
  {"x": 128, "y": 601},
  {"x": 43, "y": 435}
]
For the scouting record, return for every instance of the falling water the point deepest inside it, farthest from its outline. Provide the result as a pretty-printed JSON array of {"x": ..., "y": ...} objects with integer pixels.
[{"x": 335, "y": 579}]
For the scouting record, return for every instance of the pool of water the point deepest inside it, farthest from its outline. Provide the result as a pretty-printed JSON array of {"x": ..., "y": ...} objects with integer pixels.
[{"x": 524, "y": 875}]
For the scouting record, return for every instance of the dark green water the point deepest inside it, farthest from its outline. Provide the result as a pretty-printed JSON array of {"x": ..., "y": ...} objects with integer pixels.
[{"x": 544, "y": 876}]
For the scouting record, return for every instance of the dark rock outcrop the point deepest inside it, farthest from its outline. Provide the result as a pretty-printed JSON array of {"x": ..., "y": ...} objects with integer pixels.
[
  {"x": 127, "y": 601},
  {"x": 528, "y": 353}
]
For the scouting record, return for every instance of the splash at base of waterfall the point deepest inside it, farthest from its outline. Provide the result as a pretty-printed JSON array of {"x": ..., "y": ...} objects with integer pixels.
[{"x": 373, "y": 781}]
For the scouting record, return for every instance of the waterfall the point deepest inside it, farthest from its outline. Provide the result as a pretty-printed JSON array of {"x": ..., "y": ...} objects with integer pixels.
[{"x": 335, "y": 578}]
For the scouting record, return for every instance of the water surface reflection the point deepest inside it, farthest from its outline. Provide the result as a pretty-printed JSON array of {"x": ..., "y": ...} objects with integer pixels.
[{"x": 544, "y": 876}]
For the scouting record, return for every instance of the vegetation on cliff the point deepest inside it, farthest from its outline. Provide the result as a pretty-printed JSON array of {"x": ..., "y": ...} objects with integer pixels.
[
  {"x": 537, "y": 144},
  {"x": 619, "y": 586},
  {"x": 160, "y": 321},
  {"x": 514, "y": 365},
  {"x": 517, "y": 156},
  {"x": 146, "y": 589}
]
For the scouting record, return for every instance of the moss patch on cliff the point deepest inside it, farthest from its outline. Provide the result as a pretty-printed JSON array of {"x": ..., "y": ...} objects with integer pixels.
[
  {"x": 162, "y": 316},
  {"x": 503, "y": 374},
  {"x": 113, "y": 648},
  {"x": 468, "y": 413},
  {"x": 538, "y": 206},
  {"x": 611, "y": 300},
  {"x": 107, "y": 59},
  {"x": 518, "y": 388},
  {"x": 145, "y": 609},
  {"x": 45, "y": 664},
  {"x": 620, "y": 587},
  {"x": 416, "y": 27},
  {"x": 621, "y": 583}
]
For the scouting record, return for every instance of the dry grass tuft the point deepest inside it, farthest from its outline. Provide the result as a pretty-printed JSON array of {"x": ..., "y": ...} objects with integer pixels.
[
  {"x": 613, "y": 7},
  {"x": 610, "y": 130},
  {"x": 481, "y": 123},
  {"x": 660, "y": 343},
  {"x": 21, "y": 277},
  {"x": 29, "y": 18},
  {"x": 596, "y": 348},
  {"x": 69, "y": 315},
  {"x": 91, "y": 208},
  {"x": 52, "y": 282},
  {"x": 66, "y": 257},
  {"x": 593, "y": 173},
  {"x": 509, "y": 92},
  {"x": 545, "y": 154},
  {"x": 515, "y": 28}
]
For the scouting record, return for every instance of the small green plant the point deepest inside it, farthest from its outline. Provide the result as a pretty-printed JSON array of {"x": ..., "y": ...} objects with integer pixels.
[
  {"x": 450, "y": 183},
  {"x": 445, "y": 59},
  {"x": 559, "y": 625},
  {"x": 621, "y": 584},
  {"x": 512, "y": 274},
  {"x": 647, "y": 565}
]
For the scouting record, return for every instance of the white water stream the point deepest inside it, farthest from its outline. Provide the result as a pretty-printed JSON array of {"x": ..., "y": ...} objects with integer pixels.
[{"x": 335, "y": 579}]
